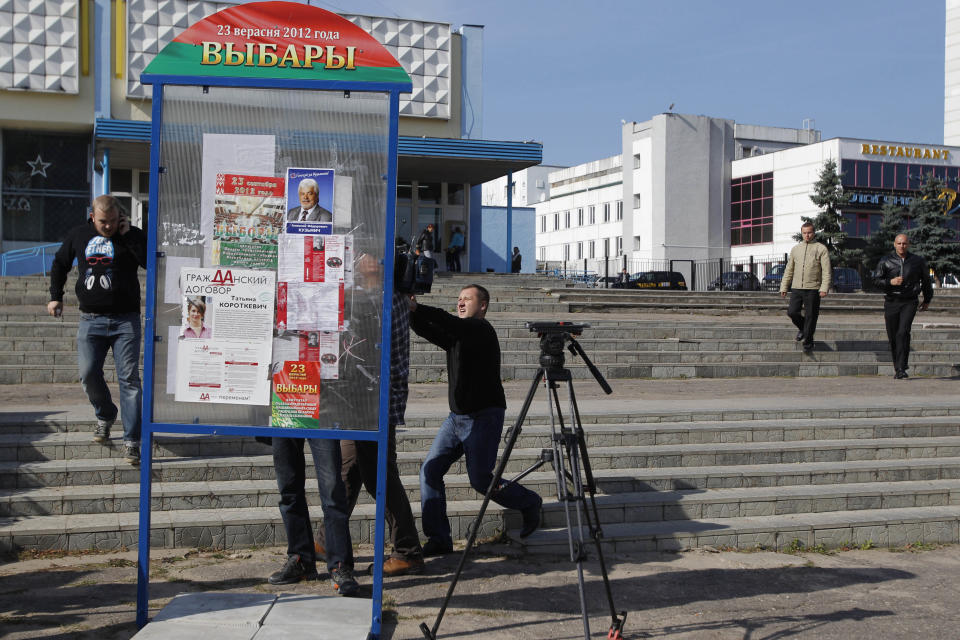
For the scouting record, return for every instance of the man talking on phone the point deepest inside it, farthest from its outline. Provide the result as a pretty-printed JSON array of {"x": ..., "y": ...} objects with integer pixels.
[{"x": 108, "y": 252}]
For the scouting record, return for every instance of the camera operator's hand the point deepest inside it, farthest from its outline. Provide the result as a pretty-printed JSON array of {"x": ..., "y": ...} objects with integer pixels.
[{"x": 413, "y": 302}]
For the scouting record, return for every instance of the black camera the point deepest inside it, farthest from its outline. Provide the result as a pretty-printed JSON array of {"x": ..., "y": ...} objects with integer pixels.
[
  {"x": 545, "y": 328},
  {"x": 412, "y": 273}
]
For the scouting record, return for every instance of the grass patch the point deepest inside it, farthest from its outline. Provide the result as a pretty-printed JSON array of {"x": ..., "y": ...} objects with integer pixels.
[{"x": 796, "y": 547}]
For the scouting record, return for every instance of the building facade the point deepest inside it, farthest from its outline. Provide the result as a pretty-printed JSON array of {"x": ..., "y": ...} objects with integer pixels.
[{"x": 75, "y": 119}]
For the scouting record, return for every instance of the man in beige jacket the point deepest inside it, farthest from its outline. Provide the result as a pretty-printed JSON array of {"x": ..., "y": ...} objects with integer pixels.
[{"x": 808, "y": 277}]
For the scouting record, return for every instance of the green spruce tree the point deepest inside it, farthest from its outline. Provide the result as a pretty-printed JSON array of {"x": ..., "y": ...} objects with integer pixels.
[
  {"x": 829, "y": 197},
  {"x": 929, "y": 236}
]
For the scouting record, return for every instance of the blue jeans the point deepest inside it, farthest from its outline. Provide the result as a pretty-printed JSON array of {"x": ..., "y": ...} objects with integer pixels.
[
  {"x": 290, "y": 466},
  {"x": 477, "y": 436},
  {"x": 97, "y": 334}
]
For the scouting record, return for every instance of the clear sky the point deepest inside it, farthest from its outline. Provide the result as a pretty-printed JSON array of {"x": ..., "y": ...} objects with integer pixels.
[{"x": 565, "y": 73}]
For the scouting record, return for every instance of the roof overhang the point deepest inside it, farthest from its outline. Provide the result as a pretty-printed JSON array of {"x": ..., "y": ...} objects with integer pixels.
[{"x": 423, "y": 159}]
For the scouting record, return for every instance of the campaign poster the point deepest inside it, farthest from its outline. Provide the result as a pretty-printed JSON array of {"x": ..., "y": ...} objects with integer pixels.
[
  {"x": 247, "y": 220},
  {"x": 310, "y": 306},
  {"x": 309, "y": 346},
  {"x": 295, "y": 396},
  {"x": 309, "y": 201},
  {"x": 226, "y": 336},
  {"x": 312, "y": 258}
]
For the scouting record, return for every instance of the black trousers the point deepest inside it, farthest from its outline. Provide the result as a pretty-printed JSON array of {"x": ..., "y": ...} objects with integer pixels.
[
  {"x": 806, "y": 322},
  {"x": 898, "y": 315},
  {"x": 359, "y": 470}
]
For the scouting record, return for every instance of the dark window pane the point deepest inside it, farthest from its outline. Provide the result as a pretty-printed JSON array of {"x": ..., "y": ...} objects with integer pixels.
[
  {"x": 768, "y": 233},
  {"x": 455, "y": 193},
  {"x": 735, "y": 193},
  {"x": 757, "y": 190},
  {"x": 848, "y": 173},
  {"x": 121, "y": 180},
  {"x": 757, "y": 235},
  {"x": 735, "y": 211},
  {"x": 734, "y": 236},
  {"x": 766, "y": 207},
  {"x": 888, "y": 171},
  {"x": 404, "y": 192},
  {"x": 745, "y": 212},
  {"x": 901, "y": 178},
  {"x": 768, "y": 188},
  {"x": 429, "y": 193},
  {"x": 144, "y": 182},
  {"x": 875, "y": 174}
]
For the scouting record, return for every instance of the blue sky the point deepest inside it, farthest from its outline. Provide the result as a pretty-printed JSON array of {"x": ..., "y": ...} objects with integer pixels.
[{"x": 565, "y": 73}]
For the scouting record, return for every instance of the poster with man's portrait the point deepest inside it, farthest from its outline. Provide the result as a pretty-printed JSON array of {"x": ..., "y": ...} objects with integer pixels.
[{"x": 309, "y": 201}]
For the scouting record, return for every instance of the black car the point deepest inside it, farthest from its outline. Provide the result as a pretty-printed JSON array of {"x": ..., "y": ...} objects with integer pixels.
[
  {"x": 735, "y": 281},
  {"x": 658, "y": 280}
]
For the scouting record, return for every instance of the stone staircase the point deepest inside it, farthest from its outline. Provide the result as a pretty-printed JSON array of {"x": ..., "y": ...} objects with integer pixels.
[
  {"x": 741, "y": 479},
  {"x": 666, "y": 479}
]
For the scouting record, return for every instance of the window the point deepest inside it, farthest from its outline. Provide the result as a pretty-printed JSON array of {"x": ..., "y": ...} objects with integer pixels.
[
  {"x": 579, "y": 250},
  {"x": 543, "y": 224},
  {"x": 566, "y": 219},
  {"x": 636, "y": 243},
  {"x": 636, "y": 201},
  {"x": 606, "y": 247},
  {"x": 542, "y": 251},
  {"x": 556, "y": 221},
  {"x": 580, "y": 217},
  {"x": 591, "y": 249},
  {"x": 592, "y": 215},
  {"x": 619, "y": 245},
  {"x": 619, "y": 209},
  {"x": 751, "y": 209},
  {"x": 540, "y": 184},
  {"x": 606, "y": 212},
  {"x": 566, "y": 252},
  {"x": 636, "y": 162}
]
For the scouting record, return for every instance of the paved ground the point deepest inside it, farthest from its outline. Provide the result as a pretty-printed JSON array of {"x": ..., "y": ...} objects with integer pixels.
[{"x": 877, "y": 594}]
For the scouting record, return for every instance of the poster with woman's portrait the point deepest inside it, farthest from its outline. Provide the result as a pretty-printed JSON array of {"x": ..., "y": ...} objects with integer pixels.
[{"x": 197, "y": 323}]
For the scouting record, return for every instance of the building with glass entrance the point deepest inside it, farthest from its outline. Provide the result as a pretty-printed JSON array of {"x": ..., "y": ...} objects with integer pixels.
[{"x": 75, "y": 119}]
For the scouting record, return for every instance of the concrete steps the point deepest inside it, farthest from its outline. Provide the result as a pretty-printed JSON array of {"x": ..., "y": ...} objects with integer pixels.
[{"x": 664, "y": 480}]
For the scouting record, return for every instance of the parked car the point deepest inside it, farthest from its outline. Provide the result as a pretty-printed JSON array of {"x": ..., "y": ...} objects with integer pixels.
[
  {"x": 773, "y": 278},
  {"x": 735, "y": 281},
  {"x": 658, "y": 280},
  {"x": 845, "y": 280}
]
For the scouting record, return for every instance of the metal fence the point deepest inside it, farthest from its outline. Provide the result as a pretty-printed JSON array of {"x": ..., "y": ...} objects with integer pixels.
[
  {"x": 24, "y": 262},
  {"x": 700, "y": 275}
]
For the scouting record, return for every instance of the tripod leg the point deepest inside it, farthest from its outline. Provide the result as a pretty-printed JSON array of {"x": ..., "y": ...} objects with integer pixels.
[
  {"x": 431, "y": 633},
  {"x": 592, "y": 514}
]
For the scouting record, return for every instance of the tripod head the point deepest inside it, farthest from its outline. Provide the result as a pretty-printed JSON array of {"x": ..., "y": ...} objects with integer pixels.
[{"x": 554, "y": 336}]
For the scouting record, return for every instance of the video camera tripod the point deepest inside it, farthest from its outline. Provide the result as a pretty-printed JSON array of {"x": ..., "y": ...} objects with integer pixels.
[{"x": 570, "y": 462}]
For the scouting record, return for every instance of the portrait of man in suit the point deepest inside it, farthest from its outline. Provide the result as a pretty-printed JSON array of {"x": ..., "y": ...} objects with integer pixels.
[{"x": 309, "y": 209}]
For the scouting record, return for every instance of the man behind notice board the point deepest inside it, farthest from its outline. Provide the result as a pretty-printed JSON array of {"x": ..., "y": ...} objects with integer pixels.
[{"x": 108, "y": 252}]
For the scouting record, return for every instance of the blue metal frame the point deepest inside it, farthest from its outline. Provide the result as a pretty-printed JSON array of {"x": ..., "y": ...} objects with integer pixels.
[{"x": 380, "y": 436}]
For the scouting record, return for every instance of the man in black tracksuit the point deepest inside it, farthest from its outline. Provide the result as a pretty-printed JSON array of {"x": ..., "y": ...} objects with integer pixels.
[{"x": 903, "y": 276}]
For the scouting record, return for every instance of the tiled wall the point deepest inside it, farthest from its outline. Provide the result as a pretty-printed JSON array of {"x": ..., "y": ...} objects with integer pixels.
[{"x": 39, "y": 45}]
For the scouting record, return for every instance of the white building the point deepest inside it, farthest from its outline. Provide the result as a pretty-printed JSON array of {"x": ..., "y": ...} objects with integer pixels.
[
  {"x": 530, "y": 186},
  {"x": 951, "y": 93},
  {"x": 669, "y": 201}
]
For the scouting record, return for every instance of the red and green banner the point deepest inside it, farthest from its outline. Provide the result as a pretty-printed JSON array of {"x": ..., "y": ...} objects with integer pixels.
[
  {"x": 278, "y": 40},
  {"x": 295, "y": 400}
]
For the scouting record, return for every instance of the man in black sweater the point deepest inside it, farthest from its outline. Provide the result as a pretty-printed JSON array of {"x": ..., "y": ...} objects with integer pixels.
[
  {"x": 108, "y": 252},
  {"x": 475, "y": 422},
  {"x": 902, "y": 276}
]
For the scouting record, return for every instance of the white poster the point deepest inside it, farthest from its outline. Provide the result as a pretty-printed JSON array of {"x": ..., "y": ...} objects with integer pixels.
[
  {"x": 229, "y": 153},
  {"x": 310, "y": 306},
  {"x": 316, "y": 258},
  {"x": 225, "y": 336}
]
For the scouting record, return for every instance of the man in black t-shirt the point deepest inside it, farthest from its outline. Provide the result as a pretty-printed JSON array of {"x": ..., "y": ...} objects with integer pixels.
[
  {"x": 475, "y": 423},
  {"x": 108, "y": 252}
]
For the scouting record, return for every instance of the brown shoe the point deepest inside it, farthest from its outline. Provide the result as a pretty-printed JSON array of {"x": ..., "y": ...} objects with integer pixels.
[{"x": 394, "y": 566}]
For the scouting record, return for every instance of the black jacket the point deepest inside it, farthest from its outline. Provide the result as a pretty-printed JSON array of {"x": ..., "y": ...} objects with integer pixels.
[
  {"x": 425, "y": 241},
  {"x": 107, "y": 279},
  {"x": 916, "y": 277},
  {"x": 473, "y": 357}
]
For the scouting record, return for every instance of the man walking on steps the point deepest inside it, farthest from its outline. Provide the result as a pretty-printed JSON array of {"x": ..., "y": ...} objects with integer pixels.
[
  {"x": 108, "y": 252},
  {"x": 903, "y": 276},
  {"x": 807, "y": 276}
]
